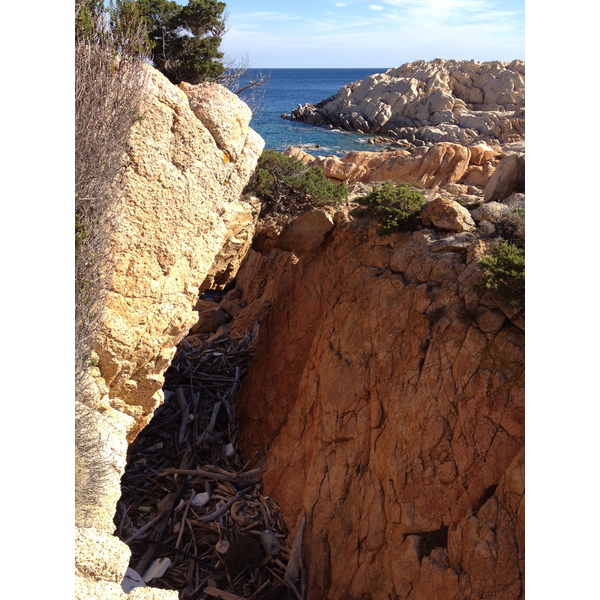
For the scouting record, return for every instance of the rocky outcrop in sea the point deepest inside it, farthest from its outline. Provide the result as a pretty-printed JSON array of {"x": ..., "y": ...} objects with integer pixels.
[{"x": 422, "y": 102}]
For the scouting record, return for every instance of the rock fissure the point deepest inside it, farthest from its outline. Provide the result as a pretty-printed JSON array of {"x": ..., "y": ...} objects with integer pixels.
[{"x": 374, "y": 361}]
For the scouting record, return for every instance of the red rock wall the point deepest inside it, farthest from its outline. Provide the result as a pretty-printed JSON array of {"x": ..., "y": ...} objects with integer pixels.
[{"x": 392, "y": 404}]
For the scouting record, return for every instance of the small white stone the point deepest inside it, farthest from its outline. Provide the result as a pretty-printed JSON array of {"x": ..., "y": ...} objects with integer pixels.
[
  {"x": 230, "y": 451},
  {"x": 201, "y": 499},
  {"x": 157, "y": 569}
]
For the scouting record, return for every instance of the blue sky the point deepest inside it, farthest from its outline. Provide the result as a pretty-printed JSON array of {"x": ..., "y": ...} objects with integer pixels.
[{"x": 376, "y": 33}]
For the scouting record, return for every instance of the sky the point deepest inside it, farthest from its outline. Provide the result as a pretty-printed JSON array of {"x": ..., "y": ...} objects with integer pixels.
[{"x": 376, "y": 33}]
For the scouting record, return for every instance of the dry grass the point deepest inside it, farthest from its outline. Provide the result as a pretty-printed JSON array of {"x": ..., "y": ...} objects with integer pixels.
[{"x": 108, "y": 94}]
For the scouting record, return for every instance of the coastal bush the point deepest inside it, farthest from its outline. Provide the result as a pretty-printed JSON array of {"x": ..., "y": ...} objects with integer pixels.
[
  {"x": 397, "y": 207},
  {"x": 288, "y": 186},
  {"x": 503, "y": 269},
  {"x": 503, "y": 272}
]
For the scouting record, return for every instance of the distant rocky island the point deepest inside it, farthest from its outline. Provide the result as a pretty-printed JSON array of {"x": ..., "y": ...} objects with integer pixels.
[{"x": 425, "y": 102}]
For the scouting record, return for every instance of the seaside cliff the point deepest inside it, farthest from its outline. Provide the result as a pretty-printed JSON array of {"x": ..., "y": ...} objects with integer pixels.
[
  {"x": 386, "y": 397},
  {"x": 391, "y": 400}
]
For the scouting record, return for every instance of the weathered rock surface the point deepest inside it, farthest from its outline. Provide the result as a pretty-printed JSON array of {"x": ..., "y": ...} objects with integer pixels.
[
  {"x": 447, "y": 215},
  {"x": 306, "y": 232},
  {"x": 508, "y": 178},
  {"x": 491, "y": 211},
  {"x": 392, "y": 403},
  {"x": 432, "y": 167},
  {"x": 437, "y": 101},
  {"x": 183, "y": 225},
  {"x": 183, "y": 220}
]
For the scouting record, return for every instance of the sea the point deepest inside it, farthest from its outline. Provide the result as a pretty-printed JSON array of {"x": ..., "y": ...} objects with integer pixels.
[{"x": 285, "y": 90}]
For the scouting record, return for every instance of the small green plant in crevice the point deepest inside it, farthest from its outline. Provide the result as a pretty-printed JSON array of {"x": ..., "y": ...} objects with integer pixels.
[
  {"x": 469, "y": 203},
  {"x": 397, "y": 207},
  {"x": 503, "y": 271},
  {"x": 288, "y": 186}
]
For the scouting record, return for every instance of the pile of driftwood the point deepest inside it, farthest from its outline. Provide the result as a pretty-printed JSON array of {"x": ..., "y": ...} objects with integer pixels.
[{"x": 191, "y": 512}]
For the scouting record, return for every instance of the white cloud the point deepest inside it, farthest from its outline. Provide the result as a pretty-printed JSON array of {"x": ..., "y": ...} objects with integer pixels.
[
  {"x": 267, "y": 16},
  {"x": 474, "y": 10},
  {"x": 459, "y": 29}
]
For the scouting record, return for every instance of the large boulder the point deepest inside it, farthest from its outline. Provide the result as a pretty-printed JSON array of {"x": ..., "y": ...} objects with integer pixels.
[
  {"x": 490, "y": 211},
  {"x": 481, "y": 153},
  {"x": 448, "y": 215},
  {"x": 509, "y": 177},
  {"x": 336, "y": 169},
  {"x": 183, "y": 222},
  {"x": 305, "y": 233},
  {"x": 426, "y": 168},
  {"x": 188, "y": 160},
  {"x": 478, "y": 175}
]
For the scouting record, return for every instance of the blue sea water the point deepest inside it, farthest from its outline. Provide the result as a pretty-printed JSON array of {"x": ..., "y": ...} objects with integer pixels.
[{"x": 285, "y": 90}]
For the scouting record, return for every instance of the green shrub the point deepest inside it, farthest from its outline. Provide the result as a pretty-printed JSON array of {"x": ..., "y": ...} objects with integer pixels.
[
  {"x": 396, "y": 206},
  {"x": 186, "y": 39},
  {"x": 503, "y": 271},
  {"x": 287, "y": 185}
]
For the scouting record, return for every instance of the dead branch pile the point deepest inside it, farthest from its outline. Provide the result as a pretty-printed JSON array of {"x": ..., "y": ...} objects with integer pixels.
[{"x": 188, "y": 503}]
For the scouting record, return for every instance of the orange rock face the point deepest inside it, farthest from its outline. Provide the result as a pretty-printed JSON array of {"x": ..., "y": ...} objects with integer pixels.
[
  {"x": 427, "y": 168},
  {"x": 392, "y": 404}
]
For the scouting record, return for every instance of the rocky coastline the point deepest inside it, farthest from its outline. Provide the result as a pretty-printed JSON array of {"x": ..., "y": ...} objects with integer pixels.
[
  {"x": 464, "y": 102},
  {"x": 385, "y": 399}
]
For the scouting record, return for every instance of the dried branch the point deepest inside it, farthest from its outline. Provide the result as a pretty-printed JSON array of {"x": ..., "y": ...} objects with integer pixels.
[
  {"x": 110, "y": 79},
  {"x": 217, "y": 535}
]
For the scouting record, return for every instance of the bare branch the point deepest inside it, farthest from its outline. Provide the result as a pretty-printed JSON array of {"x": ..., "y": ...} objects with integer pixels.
[
  {"x": 109, "y": 83},
  {"x": 239, "y": 79}
]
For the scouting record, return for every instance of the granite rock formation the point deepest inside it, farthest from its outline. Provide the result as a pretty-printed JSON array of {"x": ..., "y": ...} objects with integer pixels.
[
  {"x": 183, "y": 226},
  {"x": 183, "y": 222},
  {"x": 389, "y": 399},
  {"x": 437, "y": 101},
  {"x": 426, "y": 168}
]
